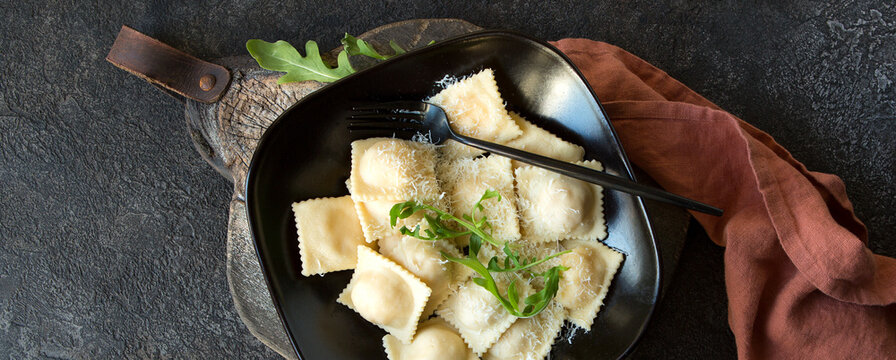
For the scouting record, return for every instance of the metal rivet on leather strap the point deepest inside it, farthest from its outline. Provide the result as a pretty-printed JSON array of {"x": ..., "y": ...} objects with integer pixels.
[{"x": 207, "y": 82}]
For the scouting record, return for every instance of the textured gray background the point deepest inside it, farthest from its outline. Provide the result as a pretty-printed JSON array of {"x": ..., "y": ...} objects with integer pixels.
[{"x": 112, "y": 227}]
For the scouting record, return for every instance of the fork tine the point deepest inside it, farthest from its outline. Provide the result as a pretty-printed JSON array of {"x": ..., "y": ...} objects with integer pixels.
[
  {"x": 408, "y": 116},
  {"x": 392, "y": 105}
]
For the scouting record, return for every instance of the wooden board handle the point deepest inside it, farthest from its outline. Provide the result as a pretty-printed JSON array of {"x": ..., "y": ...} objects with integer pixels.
[{"x": 168, "y": 67}]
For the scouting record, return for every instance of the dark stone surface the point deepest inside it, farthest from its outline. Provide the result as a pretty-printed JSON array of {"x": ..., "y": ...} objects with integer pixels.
[{"x": 113, "y": 227}]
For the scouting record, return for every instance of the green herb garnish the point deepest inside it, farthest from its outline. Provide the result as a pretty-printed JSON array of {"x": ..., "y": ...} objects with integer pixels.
[
  {"x": 477, "y": 226},
  {"x": 438, "y": 229},
  {"x": 355, "y": 46},
  {"x": 281, "y": 56}
]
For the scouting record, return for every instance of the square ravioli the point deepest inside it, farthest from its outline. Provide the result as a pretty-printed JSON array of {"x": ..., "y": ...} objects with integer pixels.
[
  {"x": 478, "y": 315},
  {"x": 424, "y": 259},
  {"x": 582, "y": 289},
  {"x": 539, "y": 141},
  {"x": 530, "y": 338},
  {"x": 554, "y": 206},
  {"x": 385, "y": 294},
  {"x": 475, "y": 108},
  {"x": 435, "y": 339},
  {"x": 329, "y": 234},
  {"x": 390, "y": 169},
  {"x": 466, "y": 180}
]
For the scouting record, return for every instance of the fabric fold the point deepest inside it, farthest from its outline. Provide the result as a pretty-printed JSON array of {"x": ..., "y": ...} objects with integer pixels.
[{"x": 799, "y": 277}]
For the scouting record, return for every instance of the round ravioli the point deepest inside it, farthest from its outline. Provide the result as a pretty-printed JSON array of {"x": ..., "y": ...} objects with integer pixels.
[{"x": 435, "y": 340}]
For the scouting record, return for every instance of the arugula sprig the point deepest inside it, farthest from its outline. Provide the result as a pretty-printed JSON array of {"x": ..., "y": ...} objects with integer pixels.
[
  {"x": 438, "y": 229},
  {"x": 476, "y": 225},
  {"x": 281, "y": 56}
]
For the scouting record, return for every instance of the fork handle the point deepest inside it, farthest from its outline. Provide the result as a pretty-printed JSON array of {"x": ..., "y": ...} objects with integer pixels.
[{"x": 589, "y": 175}]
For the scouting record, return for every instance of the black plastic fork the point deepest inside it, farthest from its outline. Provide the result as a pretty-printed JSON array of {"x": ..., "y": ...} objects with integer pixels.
[{"x": 407, "y": 119}]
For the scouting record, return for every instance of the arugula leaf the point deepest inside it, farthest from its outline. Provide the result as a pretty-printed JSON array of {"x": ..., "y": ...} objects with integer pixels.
[
  {"x": 398, "y": 50},
  {"x": 281, "y": 56},
  {"x": 539, "y": 300},
  {"x": 403, "y": 211},
  {"x": 512, "y": 295},
  {"x": 475, "y": 245},
  {"x": 355, "y": 46}
]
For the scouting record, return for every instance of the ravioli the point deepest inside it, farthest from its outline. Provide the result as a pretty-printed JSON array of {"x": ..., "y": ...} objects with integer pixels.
[
  {"x": 435, "y": 340},
  {"x": 554, "y": 206},
  {"x": 475, "y": 109},
  {"x": 465, "y": 180},
  {"x": 423, "y": 259},
  {"x": 329, "y": 234},
  {"x": 477, "y": 314},
  {"x": 582, "y": 289},
  {"x": 530, "y": 338},
  {"x": 540, "y": 141},
  {"x": 391, "y": 169},
  {"x": 385, "y": 294}
]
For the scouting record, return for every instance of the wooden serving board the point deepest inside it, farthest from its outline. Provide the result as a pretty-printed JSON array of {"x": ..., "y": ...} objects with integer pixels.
[{"x": 226, "y": 132}]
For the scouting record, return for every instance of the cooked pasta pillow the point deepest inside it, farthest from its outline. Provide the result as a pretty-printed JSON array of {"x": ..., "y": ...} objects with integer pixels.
[
  {"x": 475, "y": 109},
  {"x": 465, "y": 180},
  {"x": 385, "y": 294},
  {"x": 435, "y": 340},
  {"x": 584, "y": 286},
  {"x": 393, "y": 169},
  {"x": 329, "y": 234},
  {"x": 554, "y": 206}
]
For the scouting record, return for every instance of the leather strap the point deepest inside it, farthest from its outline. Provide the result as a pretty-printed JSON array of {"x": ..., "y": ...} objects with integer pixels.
[{"x": 164, "y": 65}]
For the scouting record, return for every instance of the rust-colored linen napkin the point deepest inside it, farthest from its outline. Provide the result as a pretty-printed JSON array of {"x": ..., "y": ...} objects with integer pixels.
[{"x": 800, "y": 281}]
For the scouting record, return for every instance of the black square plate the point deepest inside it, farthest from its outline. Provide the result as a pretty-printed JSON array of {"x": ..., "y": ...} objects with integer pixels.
[{"x": 305, "y": 154}]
